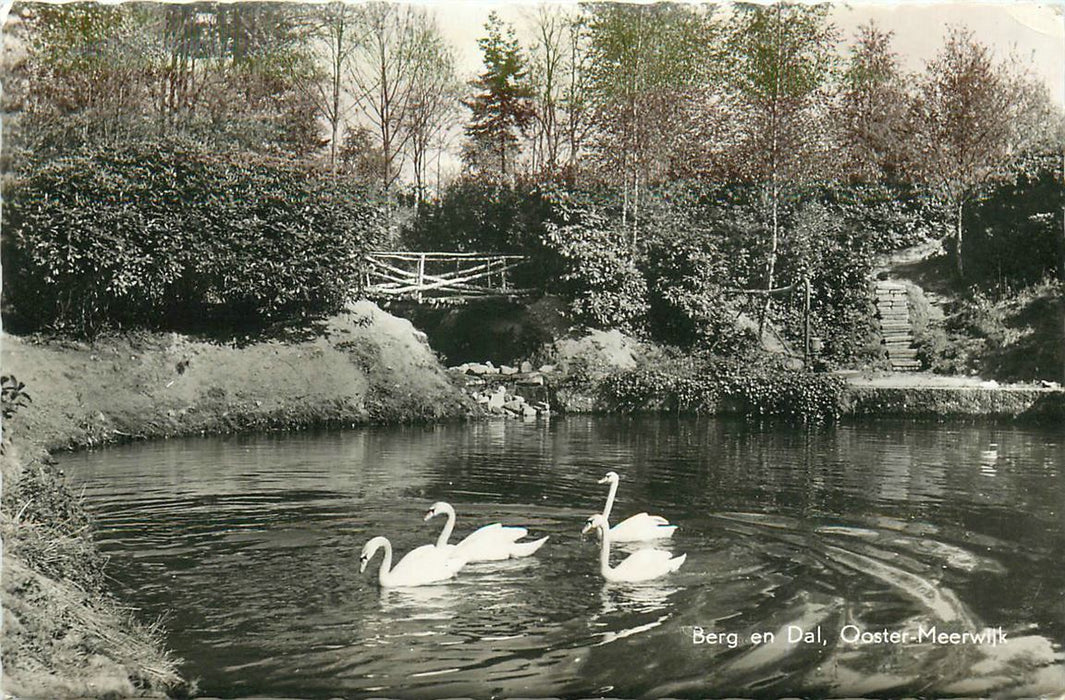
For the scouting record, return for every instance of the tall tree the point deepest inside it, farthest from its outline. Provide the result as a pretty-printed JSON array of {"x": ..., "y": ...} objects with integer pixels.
[
  {"x": 385, "y": 76},
  {"x": 559, "y": 65},
  {"x": 873, "y": 108},
  {"x": 336, "y": 33},
  {"x": 783, "y": 57},
  {"x": 434, "y": 105},
  {"x": 975, "y": 121},
  {"x": 502, "y": 108},
  {"x": 223, "y": 74},
  {"x": 645, "y": 62}
]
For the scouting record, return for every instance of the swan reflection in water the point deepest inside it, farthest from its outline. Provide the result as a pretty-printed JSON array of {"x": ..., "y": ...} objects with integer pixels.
[
  {"x": 627, "y": 599},
  {"x": 421, "y": 602}
]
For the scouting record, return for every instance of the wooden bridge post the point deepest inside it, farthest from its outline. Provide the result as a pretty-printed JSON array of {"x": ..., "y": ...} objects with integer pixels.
[{"x": 421, "y": 276}]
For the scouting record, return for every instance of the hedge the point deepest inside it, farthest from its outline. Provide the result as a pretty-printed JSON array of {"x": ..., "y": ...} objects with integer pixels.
[{"x": 171, "y": 236}]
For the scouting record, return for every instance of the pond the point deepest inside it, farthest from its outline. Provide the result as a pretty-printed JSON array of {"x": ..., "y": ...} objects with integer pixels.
[{"x": 879, "y": 558}]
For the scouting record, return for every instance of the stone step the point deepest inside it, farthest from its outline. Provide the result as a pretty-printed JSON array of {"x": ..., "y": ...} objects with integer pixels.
[
  {"x": 894, "y": 355},
  {"x": 899, "y": 342}
]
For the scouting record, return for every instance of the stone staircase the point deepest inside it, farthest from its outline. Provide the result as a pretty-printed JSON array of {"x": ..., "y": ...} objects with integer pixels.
[{"x": 894, "y": 315}]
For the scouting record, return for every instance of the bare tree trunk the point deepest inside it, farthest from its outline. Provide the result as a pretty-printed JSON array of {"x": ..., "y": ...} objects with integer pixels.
[
  {"x": 772, "y": 263},
  {"x": 958, "y": 231}
]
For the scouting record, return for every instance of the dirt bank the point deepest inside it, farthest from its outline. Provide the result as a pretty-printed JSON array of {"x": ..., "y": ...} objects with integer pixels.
[
  {"x": 63, "y": 636},
  {"x": 364, "y": 366}
]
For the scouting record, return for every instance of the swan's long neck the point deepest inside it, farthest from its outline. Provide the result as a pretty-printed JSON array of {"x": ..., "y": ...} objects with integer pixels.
[
  {"x": 610, "y": 499},
  {"x": 386, "y": 563},
  {"x": 445, "y": 534},
  {"x": 604, "y": 550}
]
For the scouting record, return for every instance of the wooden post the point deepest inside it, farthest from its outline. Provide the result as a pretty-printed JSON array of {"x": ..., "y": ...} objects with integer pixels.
[
  {"x": 503, "y": 274},
  {"x": 806, "y": 322},
  {"x": 421, "y": 277}
]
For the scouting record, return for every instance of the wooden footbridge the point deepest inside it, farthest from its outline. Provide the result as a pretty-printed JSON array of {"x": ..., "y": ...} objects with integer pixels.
[{"x": 439, "y": 277}]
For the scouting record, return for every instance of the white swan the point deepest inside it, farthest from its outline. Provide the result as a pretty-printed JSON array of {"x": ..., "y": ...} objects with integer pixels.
[
  {"x": 640, "y": 527},
  {"x": 489, "y": 543},
  {"x": 420, "y": 566},
  {"x": 642, "y": 565}
]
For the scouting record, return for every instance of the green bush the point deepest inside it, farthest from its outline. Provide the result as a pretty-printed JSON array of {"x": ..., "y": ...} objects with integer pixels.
[
  {"x": 1013, "y": 235},
  {"x": 692, "y": 251},
  {"x": 597, "y": 268},
  {"x": 758, "y": 388},
  {"x": 837, "y": 255},
  {"x": 169, "y": 236},
  {"x": 572, "y": 239}
]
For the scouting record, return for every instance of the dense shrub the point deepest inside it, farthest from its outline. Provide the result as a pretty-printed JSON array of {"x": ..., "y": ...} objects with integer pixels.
[
  {"x": 480, "y": 215},
  {"x": 837, "y": 256},
  {"x": 1013, "y": 235},
  {"x": 574, "y": 243},
  {"x": 674, "y": 275},
  {"x": 596, "y": 266},
  {"x": 757, "y": 388},
  {"x": 691, "y": 254},
  {"x": 1012, "y": 335},
  {"x": 166, "y": 235},
  {"x": 890, "y": 216}
]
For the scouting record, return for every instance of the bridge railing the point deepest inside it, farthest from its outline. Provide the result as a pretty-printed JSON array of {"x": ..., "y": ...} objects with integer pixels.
[{"x": 439, "y": 276}]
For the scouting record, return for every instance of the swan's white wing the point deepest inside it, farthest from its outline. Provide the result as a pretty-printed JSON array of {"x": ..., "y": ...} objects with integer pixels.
[
  {"x": 642, "y": 527},
  {"x": 492, "y": 535},
  {"x": 645, "y": 519},
  {"x": 497, "y": 544},
  {"x": 497, "y": 531},
  {"x": 646, "y": 564},
  {"x": 425, "y": 564},
  {"x": 525, "y": 549}
]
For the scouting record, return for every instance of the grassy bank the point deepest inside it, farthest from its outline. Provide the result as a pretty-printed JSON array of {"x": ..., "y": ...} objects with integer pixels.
[{"x": 63, "y": 635}]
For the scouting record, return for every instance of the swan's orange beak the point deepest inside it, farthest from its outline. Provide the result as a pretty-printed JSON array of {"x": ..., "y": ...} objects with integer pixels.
[
  {"x": 363, "y": 561},
  {"x": 430, "y": 514},
  {"x": 588, "y": 527}
]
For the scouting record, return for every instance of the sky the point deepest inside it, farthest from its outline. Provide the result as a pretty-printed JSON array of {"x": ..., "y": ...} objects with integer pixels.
[{"x": 1032, "y": 31}]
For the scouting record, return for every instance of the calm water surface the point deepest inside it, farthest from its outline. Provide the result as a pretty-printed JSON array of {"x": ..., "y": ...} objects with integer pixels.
[{"x": 250, "y": 545}]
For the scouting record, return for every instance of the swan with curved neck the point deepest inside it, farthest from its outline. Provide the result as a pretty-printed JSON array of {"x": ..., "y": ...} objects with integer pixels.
[
  {"x": 420, "y": 566},
  {"x": 493, "y": 542},
  {"x": 638, "y": 528},
  {"x": 641, "y": 565}
]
